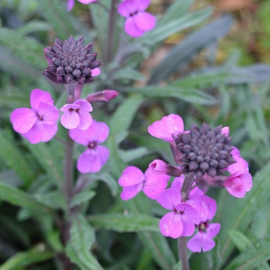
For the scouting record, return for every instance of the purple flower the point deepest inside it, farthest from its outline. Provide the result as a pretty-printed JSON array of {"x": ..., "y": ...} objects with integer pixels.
[
  {"x": 138, "y": 21},
  {"x": 168, "y": 127},
  {"x": 70, "y": 3},
  {"x": 240, "y": 180},
  {"x": 77, "y": 115},
  {"x": 182, "y": 218},
  {"x": 95, "y": 155},
  {"x": 133, "y": 181},
  {"x": 38, "y": 124},
  {"x": 206, "y": 207}
]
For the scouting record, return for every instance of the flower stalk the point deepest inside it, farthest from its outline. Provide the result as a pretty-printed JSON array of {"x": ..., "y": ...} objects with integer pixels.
[{"x": 182, "y": 253}]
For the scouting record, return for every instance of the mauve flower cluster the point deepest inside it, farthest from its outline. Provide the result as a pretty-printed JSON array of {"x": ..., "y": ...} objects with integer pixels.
[
  {"x": 39, "y": 124},
  {"x": 204, "y": 158}
]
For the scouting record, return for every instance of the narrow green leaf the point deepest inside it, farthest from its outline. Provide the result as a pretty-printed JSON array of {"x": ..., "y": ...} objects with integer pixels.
[
  {"x": 176, "y": 10},
  {"x": 12, "y": 156},
  {"x": 14, "y": 65},
  {"x": 130, "y": 74},
  {"x": 109, "y": 180},
  {"x": 13, "y": 100},
  {"x": 116, "y": 164},
  {"x": 53, "y": 199},
  {"x": 188, "y": 95},
  {"x": 240, "y": 240},
  {"x": 159, "y": 248},
  {"x": 165, "y": 30},
  {"x": 123, "y": 116},
  {"x": 29, "y": 50},
  {"x": 34, "y": 26},
  {"x": 252, "y": 257},
  {"x": 55, "y": 13},
  {"x": 178, "y": 266},
  {"x": 50, "y": 159},
  {"x": 20, "y": 198},
  {"x": 182, "y": 53},
  {"x": 132, "y": 154},
  {"x": 85, "y": 195},
  {"x": 81, "y": 239},
  {"x": 24, "y": 259},
  {"x": 129, "y": 223}
]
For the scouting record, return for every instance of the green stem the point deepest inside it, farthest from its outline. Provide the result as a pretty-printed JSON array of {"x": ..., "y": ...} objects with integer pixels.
[
  {"x": 182, "y": 252},
  {"x": 68, "y": 164},
  {"x": 110, "y": 33}
]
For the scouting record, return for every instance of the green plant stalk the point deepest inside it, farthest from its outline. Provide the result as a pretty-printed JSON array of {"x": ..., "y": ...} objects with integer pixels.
[
  {"x": 110, "y": 33},
  {"x": 68, "y": 168},
  {"x": 182, "y": 253}
]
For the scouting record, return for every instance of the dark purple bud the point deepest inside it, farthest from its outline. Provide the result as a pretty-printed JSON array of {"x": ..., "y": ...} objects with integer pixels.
[
  {"x": 95, "y": 64},
  {"x": 69, "y": 78},
  {"x": 60, "y": 71},
  {"x": 57, "y": 61},
  {"x": 50, "y": 55},
  {"x": 193, "y": 166},
  {"x": 192, "y": 156},
  {"x": 204, "y": 166},
  {"x": 213, "y": 163},
  {"x": 87, "y": 71},
  {"x": 222, "y": 164},
  {"x": 76, "y": 73},
  {"x": 68, "y": 69}
]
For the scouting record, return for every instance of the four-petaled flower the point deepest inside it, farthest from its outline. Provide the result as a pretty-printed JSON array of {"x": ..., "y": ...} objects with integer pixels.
[
  {"x": 95, "y": 155},
  {"x": 133, "y": 180},
  {"x": 38, "y": 124},
  {"x": 206, "y": 208},
  {"x": 77, "y": 115},
  {"x": 182, "y": 218},
  {"x": 138, "y": 21}
]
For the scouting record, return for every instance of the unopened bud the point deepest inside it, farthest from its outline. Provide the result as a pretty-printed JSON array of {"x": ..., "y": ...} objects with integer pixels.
[
  {"x": 105, "y": 95},
  {"x": 160, "y": 167}
]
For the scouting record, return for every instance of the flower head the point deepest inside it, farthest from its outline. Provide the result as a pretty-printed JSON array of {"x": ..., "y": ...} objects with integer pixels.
[
  {"x": 38, "y": 124},
  {"x": 133, "y": 180},
  {"x": 138, "y": 21},
  {"x": 204, "y": 151},
  {"x": 70, "y": 61},
  {"x": 95, "y": 155},
  {"x": 70, "y": 3},
  {"x": 77, "y": 115}
]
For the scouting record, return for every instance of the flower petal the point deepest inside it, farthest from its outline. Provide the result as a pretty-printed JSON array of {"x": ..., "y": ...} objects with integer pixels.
[
  {"x": 142, "y": 5},
  {"x": 70, "y": 5},
  {"x": 85, "y": 2},
  {"x": 145, "y": 21},
  {"x": 67, "y": 107},
  {"x": 70, "y": 119},
  {"x": 213, "y": 229},
  {"x": 23, "y": 119},
  {"x": 167, "y": 127},
  {"x": 200, "y": 241},
  {"x": 85, "y": 119},
  {"x": 37, "y": 96},
  {"x": 171, "y": 225},
  {"x": 35, "y": 134},
  {"x": 205, "y": 206},
  {"x": 237, "y": 185},
  {"x": 132, "y": 29},
  {"x": 48, "y": 112},
  {"x": 189, "y": 216},
  {"x": 96, "y": 72},
  {"x": 127, "y": 7},
  {"x": 154, "y": 184},
  {"x": 49, "y": 132},
  {"x": 103, "y": 153},
  {"x": 131, "y": 176},
  {"x": 85, "y": 105},
  {"x": 169, "y": 198},
  {"x": 130, "y": 192},
  {"x": 89, "y": 161}
]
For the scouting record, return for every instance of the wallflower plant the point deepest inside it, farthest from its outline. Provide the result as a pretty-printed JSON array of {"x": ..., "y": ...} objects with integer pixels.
[{"x": 94, "y": 159}]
